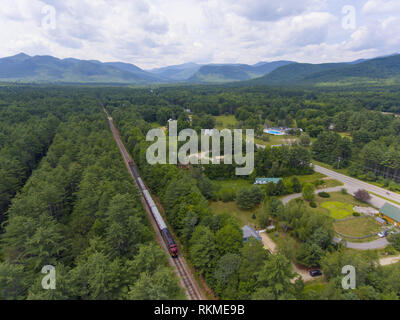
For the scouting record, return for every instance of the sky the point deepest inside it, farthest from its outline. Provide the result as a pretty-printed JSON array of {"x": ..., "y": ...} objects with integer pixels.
[{"x": 158, "y": 33}]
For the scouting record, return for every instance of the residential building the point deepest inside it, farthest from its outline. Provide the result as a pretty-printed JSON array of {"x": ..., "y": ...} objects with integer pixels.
[
  {"x": 250, "y": 232},
  {"x": 267, "y": 180},
  {"x": 390, "y": 213}
]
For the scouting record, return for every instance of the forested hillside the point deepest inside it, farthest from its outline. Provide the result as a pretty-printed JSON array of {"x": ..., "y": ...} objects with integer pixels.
[{"x": 80, "y": 212}]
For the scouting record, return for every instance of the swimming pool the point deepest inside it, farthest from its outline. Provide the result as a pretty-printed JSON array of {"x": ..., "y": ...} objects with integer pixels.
[{"x": 274, "y": 132}]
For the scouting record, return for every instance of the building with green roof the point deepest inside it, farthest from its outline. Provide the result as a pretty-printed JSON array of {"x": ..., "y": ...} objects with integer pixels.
[
  {"x": 267, "y": 180},
  {"x": 390, "y": 213}
]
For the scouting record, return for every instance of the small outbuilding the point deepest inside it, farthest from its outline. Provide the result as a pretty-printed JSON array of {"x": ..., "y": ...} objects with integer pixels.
[{"x": 250, "y": 232}]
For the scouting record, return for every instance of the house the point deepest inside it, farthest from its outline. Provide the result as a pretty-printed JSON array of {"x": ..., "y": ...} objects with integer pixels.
[
  {"x": 390, "y": 213},
  {"x": 250, "y": 232},
  {"x": 267, "y": 180}
]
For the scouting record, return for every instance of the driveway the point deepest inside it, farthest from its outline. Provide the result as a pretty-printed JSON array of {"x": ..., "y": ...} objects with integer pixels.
[
  {"x": 267, "y": 242},
  {"x": 376, "y": 244}
]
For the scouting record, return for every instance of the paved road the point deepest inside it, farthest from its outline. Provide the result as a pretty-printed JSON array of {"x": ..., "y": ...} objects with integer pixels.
[{"x": 354, "y": 184}]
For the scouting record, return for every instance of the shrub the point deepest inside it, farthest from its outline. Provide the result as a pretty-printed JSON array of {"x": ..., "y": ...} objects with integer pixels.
[
  {"x": 227, "y": 195},
  {"x": 390, "y": 250},
  {"x": 362, "y": 195},
  {"x": 313, "y": 204},
  {"x": 324, "y": 194},
  {"x": 343, "y": 191},
  {"x": 318, "y": 182},
  {"x": 356, "y": 214},
  {"x": 308, "y": 192},
  {"x": 394, "y": 239}
]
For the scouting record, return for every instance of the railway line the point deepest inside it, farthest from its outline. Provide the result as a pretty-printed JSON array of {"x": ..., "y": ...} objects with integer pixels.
[{"x": 187, "y": 281}]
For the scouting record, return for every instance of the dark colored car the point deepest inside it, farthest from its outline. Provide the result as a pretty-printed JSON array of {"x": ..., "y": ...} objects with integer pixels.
[{"x": 315, "y": 273}]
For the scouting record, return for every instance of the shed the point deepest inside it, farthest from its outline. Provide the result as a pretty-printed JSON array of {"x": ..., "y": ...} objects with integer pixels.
[
  {"x": 380, "y": 220},
  {"x": 250, "y": 232},
  {"x": 267, "y": 180},
  {"x": 390, "y": 213}
]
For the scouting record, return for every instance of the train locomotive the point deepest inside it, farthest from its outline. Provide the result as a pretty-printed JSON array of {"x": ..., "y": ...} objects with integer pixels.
[{"x": 166, "y": 234}]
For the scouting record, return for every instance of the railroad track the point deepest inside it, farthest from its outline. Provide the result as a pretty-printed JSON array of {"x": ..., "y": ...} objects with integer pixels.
[{"x": 192, "y": 291}]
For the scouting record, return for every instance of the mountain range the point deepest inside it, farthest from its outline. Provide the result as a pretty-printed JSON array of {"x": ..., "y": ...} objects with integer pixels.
[{"x": 25, "y": 68}]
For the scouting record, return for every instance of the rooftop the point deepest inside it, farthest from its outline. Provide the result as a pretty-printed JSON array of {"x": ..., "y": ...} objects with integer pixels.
[
  {"x": 391, "y": 211},
  {"x": 250, "y": 232},
  {"x": 267, "y": 180}
]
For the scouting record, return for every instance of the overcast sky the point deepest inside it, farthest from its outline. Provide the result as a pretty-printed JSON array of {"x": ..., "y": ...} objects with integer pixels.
[{"x": 157, "y": 33}]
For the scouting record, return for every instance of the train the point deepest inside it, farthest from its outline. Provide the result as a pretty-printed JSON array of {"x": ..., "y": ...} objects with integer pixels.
[{"x": 165, "y": 233}]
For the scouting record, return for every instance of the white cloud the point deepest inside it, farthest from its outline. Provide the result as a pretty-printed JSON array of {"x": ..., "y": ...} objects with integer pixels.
[
  {"x": 156, "y": 33},
  {"x": 381, "y": 6}
]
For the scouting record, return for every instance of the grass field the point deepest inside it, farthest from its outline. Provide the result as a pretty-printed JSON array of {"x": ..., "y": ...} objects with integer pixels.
[
  {"x": 338, "y": 210},
  {"x": 225, "y": 122},
  {"x": 344, "y": 202},
  {"x": 311, "y": 178},
  {"x": 358, "y": 227},
  {"x": 244, "y": 217},
  {"x": 234, "y": 184},
  {"x": 276, "y": 140},
  {"x": 345, "y": 134}
]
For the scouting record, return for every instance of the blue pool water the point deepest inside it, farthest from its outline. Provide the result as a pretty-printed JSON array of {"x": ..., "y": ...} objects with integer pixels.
[{"x": 274, "y": 132}]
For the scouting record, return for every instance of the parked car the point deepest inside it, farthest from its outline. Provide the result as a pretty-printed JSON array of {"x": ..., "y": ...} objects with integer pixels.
[
  {"x": 383, "y": 234},
  {"x": 315, "y": 273}
]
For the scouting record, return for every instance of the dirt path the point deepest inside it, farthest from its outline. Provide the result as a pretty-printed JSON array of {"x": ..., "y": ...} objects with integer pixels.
[
  {"x": 267, "y": 242},
  {"x": 389, "y": 260},
  {"x": 303, "y": 272},
  {"x": 270, "y": 245}
]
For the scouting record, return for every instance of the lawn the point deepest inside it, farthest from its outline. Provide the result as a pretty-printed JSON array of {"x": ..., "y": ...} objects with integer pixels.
[
  {"x": 357, "y": 227},
  {"x": 338, "y": 210},
  {"x": 338, "y": 205},
  {"x": 311, "y": 178},
  {"x": 345, "y": 135},
  {"x": 225, "y": 122},
  {"x": 244, "y": 217},
  {"x": 234, "y": 184},
  {"x": 276, "y": 140}
]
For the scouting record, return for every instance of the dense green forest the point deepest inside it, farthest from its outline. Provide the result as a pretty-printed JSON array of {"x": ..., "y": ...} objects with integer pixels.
[
  {"x": 213, "y": 243},
  {"x": 360, "y": 115},
  {"x": 67, "y": 200},
  {"x": 78, "y": 211}
]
